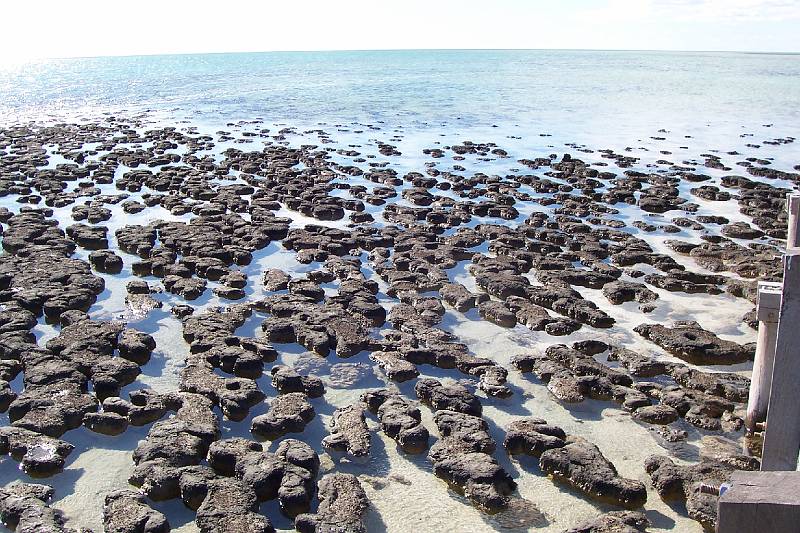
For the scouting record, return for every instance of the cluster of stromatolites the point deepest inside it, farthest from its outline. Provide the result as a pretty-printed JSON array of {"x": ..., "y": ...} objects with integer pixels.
[{"x": 381, "y": 253}]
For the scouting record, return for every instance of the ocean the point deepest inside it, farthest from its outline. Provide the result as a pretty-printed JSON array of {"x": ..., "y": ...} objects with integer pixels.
[
  {"x": 668, "y": 111},
  {"x": 597, "y": 93}
]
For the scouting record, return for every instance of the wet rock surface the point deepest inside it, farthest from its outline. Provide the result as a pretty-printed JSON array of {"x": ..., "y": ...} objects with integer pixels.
[
  {"x": 613, "y": 522},
  {"x": 692, "y": 343},
  {"x": 463, "y": 459},
  {"x": 39, "y": 455},
  {"x": 24, "y": 507},
  {"x": 286, "y": 379},
  {"x": 400, "y": 419},
  {"x": 583, "y": 465},
  {"x": 349, "y": 432},
  {"x": 574, "y": 460},
  {"x": 288, "y": 413},
  {"x": 533, "y": 436},
  {"x": 126, "y": 511},
  {"x": 342, "y": 506},
  {"x": 682, "y": 482},
  {"x": 572, "y": 376},
  {"x": 453, "y": 397}
]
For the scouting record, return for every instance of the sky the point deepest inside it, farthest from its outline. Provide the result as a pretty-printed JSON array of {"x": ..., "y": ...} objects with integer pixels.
[{"x": 81, "y": 28}]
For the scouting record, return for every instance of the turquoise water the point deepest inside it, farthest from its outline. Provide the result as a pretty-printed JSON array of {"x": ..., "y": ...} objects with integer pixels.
[{"x": 563, "y": 92}]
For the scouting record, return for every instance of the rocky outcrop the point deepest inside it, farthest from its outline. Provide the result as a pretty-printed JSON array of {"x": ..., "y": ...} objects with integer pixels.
[
  {"x": 400, "y": 419},
  {"x": 462, "y": 457},
  {"x": 692, "y": 343},
  {"x": 126, "y": 511},
  {"x": 395, "y": 367},
  {"x": 286, "y": 379},
  {"x": 288, "y": 413},
  {"x": 675, "y": 482},
  {"x": 571, "y": 376},
  {"x": 231, "y": 505},
  {"x": 288, "y": 475},
  {"x": 533, "y": 436},
  {"x": 24, "y": 508},
  {"x": 171, "y": 444},
  {"x": 619, "y": 292},
  {"x": 349, "y": 432},
  {"x": 39, "y": 455},
  {"x": 457, "y": 248},
  {"x": 342, "y": 506},
  {"x": 453, "y": 397},
  {"x": 235, "y": 396},
  {"x": 613, "y": 522},
  {"x": 582, "y": 465}
]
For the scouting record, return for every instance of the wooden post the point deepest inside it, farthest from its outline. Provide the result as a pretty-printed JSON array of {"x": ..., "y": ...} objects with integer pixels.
[
  {"x": 768, "y": 307},
  {"x": 793, "y": 233},
  {"x": 760, "y": 502},
  {"x": 782, "y": 436}
]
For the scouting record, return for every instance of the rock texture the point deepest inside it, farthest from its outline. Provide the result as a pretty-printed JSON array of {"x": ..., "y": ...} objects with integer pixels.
[{"x": 342, "y": 506}]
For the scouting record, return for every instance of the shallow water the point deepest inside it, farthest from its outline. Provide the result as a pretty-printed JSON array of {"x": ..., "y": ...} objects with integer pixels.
[{"x": 607, "y": 100}]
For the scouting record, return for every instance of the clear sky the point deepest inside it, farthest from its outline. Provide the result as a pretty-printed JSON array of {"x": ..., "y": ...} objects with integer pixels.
[{"x": 58, "y": 28}]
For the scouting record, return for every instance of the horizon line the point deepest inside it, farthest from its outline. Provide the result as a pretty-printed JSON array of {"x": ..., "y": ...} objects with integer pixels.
[{"x": 334, "y": 50}]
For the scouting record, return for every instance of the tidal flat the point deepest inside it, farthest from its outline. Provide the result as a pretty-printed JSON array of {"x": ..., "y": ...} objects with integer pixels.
[{"x": 261, "y": 326}]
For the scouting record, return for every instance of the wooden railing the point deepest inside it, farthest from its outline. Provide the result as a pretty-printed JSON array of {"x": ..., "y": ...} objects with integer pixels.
[{"x": 773, "y": 403}]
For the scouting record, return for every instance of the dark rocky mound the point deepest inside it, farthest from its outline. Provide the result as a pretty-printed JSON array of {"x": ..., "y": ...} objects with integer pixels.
[
  {"x": 675, "y": 482},
  {"x": 690, "y": 342},
  {"x": 400, "y": 419},
  {"x": 462, "y": 457},
  {"x": 342, "y": 506},
  {"x": 583, "y": 466},
  {"x": 288, "y": 413},
  {"x": 533, "y": 436},
  {"x": 39, "y": 455},
  {"x": 349, "y": 431},
  {"x": 126, "y": 511},
  {"x": 613, "y": 522},
  {"x": 24, "y": 508},
  {"x": 453, "y": 397}
]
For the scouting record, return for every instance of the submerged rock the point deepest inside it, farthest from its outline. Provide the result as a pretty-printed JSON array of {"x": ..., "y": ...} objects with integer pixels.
[
  {"x": 126, "y": 511},
  {"x": 682, "y": 483},
  {"x": 695, "y": 345},
  {"x": 583, "y": 466},
  {"x": 342, "y": 506},
  {"x": 400, "y": 419},
  {"x": 24, "y": 508},
  {"x": 613, "y": 522},
  {"x": 39, "y": 455},
  {"x": 288, "y": 413},
  {"x": 451, "y": 397},
  {"x": 349, "y": 431}
]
